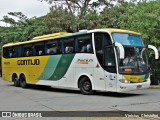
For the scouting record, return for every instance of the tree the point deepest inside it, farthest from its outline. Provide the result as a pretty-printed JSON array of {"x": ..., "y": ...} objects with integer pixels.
[
  {"x": 78, "y": 10},
  {"x": 59, "y": 19}
]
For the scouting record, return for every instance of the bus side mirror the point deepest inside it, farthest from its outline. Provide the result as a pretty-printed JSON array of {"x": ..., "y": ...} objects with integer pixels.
[
  {"x": 121, "y": 49},
  {"x": 155, "y": 51}
]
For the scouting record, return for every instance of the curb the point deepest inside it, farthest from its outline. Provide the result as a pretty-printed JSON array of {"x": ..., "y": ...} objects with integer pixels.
[{"x": 155, "y": 86}]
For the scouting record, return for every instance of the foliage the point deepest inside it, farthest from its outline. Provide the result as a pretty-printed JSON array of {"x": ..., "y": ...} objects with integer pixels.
[
  {"x": 60, "y": 19},
  {"x": 146, "y": 20},
  {"x": 139, "y": 17}
]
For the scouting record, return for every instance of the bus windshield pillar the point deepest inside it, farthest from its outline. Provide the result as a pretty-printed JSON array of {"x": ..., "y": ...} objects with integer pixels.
[{"x": 121, "y": 48}]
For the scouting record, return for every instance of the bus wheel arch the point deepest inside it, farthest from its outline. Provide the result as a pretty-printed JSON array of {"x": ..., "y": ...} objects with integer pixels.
[
  {"x": 15, "y": 80},
  {"x": 23, "y": 82},
  {"x": 85, "y": 85}
]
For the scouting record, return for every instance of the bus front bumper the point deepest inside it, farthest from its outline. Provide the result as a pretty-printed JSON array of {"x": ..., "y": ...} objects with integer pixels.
[{"x": 122, "y": 87}]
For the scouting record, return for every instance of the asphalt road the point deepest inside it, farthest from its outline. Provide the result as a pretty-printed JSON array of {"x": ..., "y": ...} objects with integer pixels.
[{"x": 40, "y": 98}]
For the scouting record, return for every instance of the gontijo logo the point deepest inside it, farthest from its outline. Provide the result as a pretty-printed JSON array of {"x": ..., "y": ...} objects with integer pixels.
[{"x": 28, "y": 62}]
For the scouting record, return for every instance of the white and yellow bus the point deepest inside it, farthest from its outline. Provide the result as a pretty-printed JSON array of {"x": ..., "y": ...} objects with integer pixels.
[{"x": 90, "y": 60}]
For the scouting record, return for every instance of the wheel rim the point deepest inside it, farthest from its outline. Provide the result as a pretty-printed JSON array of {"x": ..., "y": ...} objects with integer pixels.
[{"x": 87, "y": 86}]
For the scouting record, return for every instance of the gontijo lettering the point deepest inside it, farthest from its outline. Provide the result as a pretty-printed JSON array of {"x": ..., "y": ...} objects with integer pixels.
[{"x": 28, "y": 62}]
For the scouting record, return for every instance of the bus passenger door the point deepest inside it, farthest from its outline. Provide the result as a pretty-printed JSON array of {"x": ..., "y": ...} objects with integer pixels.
[{"x": 110, "y": 74}]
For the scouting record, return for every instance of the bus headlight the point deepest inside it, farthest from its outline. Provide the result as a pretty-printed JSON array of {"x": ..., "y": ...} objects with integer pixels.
[{"x": 124, "y": 81}]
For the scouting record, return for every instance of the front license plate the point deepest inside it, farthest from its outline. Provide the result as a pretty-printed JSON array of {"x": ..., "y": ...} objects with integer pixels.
[{"x": 139, "y": 86}]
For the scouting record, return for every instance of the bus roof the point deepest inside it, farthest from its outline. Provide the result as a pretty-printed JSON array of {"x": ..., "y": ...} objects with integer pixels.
[
  {"x": 40, "y": 38},
  {"x": 111, "y": 30},
  {"x": 65, "y": 34}
]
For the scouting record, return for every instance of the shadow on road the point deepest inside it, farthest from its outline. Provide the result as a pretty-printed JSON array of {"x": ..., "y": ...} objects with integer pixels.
[
  {"x": 62, "y": 90},
  {"x": 119, "y": 95}
]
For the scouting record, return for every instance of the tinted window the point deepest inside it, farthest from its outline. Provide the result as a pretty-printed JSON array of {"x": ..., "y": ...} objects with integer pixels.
[
  {"x": 109, "y": 60},
  {"x": 18, "y": 51},
  {"x": 5, "y": 53},
  {"x": 39, "y": 49},
  {"x": 11, "y": 52},
  {"x": 68, "y": 45},
  {"x": 51, "y": 47},
  {"x": 59, "y": 47},
  {"x": 28, "y": 50},
  {"x": 101, "y": 40},
  {"x": 84, "y": 44}
]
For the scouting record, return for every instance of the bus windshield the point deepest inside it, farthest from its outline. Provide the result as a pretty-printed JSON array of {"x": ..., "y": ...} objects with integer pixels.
[
  {"x": 135, "y": 61},
  {"x": 127, "y": 39}
]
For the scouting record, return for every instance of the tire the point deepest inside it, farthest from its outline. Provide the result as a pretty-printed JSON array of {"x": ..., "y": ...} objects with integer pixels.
[
  {"x": 15, "y": 81},
  {"x": 23, "y": 83},
  {"x": 85, "y": 86}
]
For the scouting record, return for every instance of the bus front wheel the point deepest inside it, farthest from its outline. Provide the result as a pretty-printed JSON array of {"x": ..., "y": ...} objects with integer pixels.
[
  {"x": 85, "y": 86},
  {"x": 15, "y": 80},
  {"x": 23, "y": 83}
]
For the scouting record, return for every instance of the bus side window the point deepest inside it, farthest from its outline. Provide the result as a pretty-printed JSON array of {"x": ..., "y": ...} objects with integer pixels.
[
  {"x": 11, "y": 52},
  {"x": 51, "y": 47},
  {"x": 5, "y": 53},
  {"x": 28, "y": 50},
  {"x": 59, "y": 48},
  {"x": 84, "y": 44},
  {"x": 69, "y": 45},
  {"x": 17, "y": 51},
  {"x": 39, "y": 48}
]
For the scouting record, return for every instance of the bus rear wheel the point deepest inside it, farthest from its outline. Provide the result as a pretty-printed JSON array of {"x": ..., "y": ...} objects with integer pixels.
[
  {"x": 85, "y": 86},
  {"x": 15, "y": 80},
  {"x": 23, "y": 83}
]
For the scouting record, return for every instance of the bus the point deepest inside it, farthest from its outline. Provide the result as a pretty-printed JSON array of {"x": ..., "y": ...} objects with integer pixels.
[{"x": 89, "y": 60}]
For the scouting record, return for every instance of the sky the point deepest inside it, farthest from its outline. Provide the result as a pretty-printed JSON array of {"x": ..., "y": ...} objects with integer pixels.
[{"x": 30, "y": 8}]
